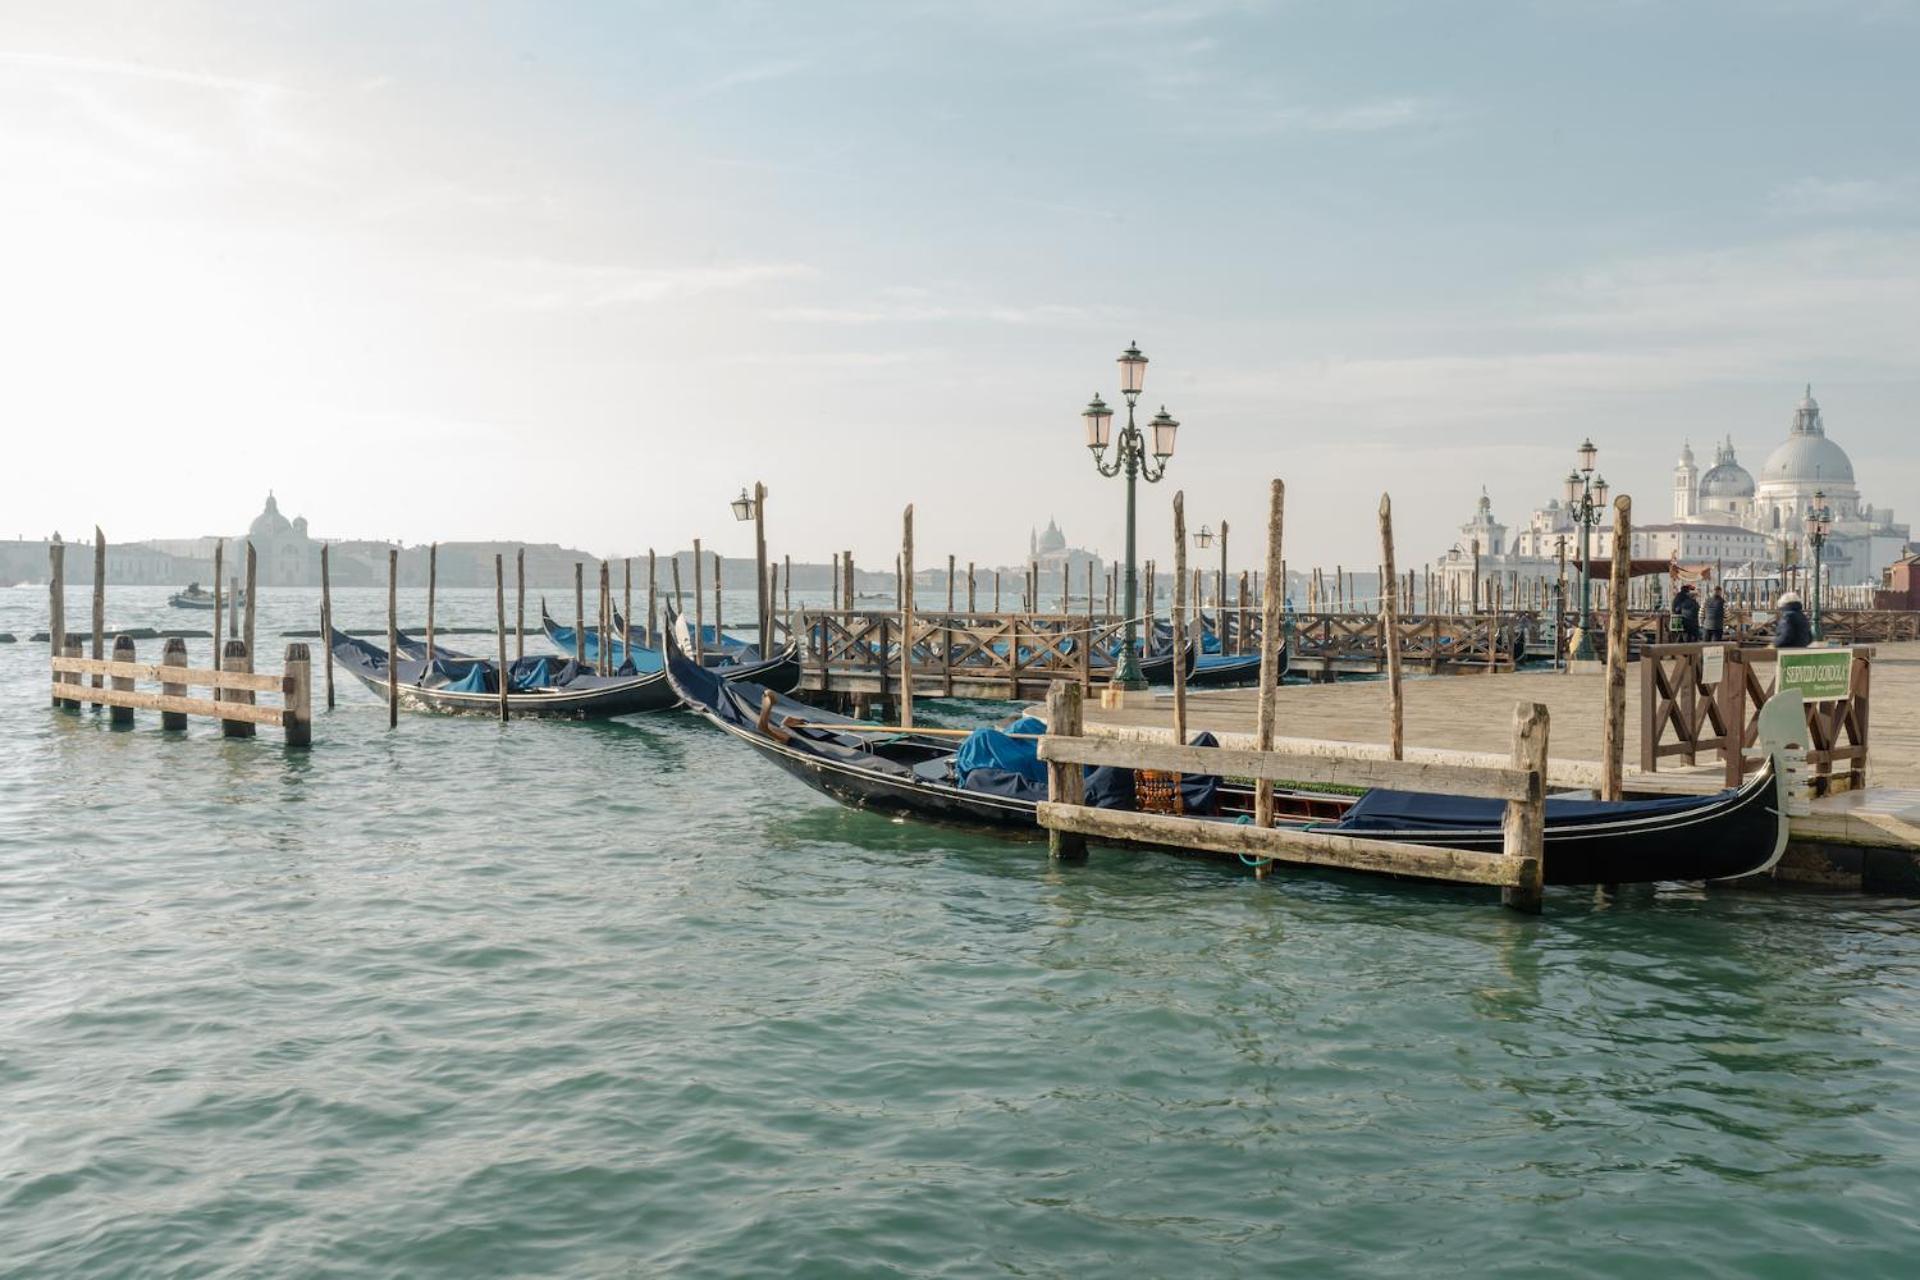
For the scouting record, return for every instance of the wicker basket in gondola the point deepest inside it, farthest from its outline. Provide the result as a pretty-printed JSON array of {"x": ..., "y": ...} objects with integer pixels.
[{"x": 1157, "y": 792}]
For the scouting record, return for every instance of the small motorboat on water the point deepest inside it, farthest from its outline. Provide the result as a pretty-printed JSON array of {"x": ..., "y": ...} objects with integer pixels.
[
  {"x": 993, "y": 779},
  {"x": 198, "y": 597}
]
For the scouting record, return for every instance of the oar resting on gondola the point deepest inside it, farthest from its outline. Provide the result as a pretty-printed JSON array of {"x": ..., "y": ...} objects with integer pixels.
[{"x": 994, "y": 779}]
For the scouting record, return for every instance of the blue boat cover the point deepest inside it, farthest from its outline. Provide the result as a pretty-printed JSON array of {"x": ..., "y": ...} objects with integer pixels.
[
  {"x": 993, "y": 749},
  {"x": 479, "y": 679},
  {"x": 1383, "y": 810}
]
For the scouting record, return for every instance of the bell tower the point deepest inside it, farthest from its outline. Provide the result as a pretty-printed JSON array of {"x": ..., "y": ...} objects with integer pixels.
[{"x": 1686, "y": 485}]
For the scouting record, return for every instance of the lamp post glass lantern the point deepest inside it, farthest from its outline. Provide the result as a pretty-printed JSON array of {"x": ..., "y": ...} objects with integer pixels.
[
  {"x": 1587, "y": 504},
  {"x": 753, "y": 506},
  {"x": 1133, "y": 458}
]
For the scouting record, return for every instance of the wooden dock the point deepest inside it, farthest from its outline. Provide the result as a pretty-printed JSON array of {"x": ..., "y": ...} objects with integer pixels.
[{"x": 1869, "y": 837}]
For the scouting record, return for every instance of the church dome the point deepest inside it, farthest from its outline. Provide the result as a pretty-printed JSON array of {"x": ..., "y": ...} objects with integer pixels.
[
  {"x": 269, "y": 523},
  {"x": 1726, "y": 478},
  {"x": 1052, "y": 539},
  {"x": 1807, "y": 456}
]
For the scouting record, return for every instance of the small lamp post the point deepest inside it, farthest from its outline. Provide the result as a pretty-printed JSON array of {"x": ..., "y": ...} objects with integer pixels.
[
  {"x": 1205, "y": 539},
  {"x": 1587, "y": 504},
  {"x": 1132, "y": 459},
  {"x": 753, "y": 506},
  {"x": 1818, "y": 524}
]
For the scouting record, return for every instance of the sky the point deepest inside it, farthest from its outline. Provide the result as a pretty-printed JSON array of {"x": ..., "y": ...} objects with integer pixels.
[{"x": 577, "y": 272}]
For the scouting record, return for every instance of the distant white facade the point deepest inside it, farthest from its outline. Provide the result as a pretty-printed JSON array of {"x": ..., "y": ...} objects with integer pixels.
[{"x": 1721, "y": 516}]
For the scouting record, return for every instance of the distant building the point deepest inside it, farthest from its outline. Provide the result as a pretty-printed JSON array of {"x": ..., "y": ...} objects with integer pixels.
[
  {"x": 1050, "y": 551},
  {"x": 1722, "y": 516}
]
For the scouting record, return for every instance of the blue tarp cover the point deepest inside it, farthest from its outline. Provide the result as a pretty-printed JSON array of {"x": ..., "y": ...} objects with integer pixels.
[
  {"x": 993, "y": 749},
  {"x": 1382, "y": 810}
]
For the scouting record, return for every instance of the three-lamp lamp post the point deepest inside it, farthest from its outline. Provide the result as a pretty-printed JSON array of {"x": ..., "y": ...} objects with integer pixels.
[
  {"x": 1818, "y": 524},
  {"x": 753, "y": 506},
  {"x": 1131, "y": 459},
  {"x": 1587, "y": 504}
]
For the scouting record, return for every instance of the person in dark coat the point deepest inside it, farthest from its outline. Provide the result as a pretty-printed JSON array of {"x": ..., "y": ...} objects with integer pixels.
[
  {"x": 1793, "y": 629},
  {"x": 1716, "y": 616},
  {"x": 1686, "y": 607}
]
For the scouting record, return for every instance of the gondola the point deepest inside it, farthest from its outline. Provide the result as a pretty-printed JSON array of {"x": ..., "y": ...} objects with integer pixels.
[
  {"x": 539, "y": 686},
  {"x": 1738, "y": 832},
  {"x": 719, "y": 649},
  {"x": 1223, "y": 670}
]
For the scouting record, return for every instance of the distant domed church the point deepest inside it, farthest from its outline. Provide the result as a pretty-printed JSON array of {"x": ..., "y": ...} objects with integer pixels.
[
  {"x": 1725, "y": 516},
  {"x": 1048, "y": 548},
  {"x": 1803, "y": 470},
  {"x": 286, "y": 556}
]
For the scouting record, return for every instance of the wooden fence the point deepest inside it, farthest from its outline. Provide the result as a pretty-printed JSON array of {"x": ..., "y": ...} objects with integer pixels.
[
  {"x": 233, "y": 686},
  {"x": 1517, "y": 870},
  {"x": 1684, "y": 714}
]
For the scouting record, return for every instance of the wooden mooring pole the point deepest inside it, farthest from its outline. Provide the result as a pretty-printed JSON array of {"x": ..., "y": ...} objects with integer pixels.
[
  {"x": 326, "y": 623},
  {"x": 433, "y": 592},
  {"x": 235, "y": 659},
  {"x": 1066, "y": 783},
  {"x": 519, "y": 603},
  {"x": 123, "y": 651},
  {"x": 173, "y": 655},
  {"x": 99, "y": 601},
  {"x": 505, "y": 680},
  {"x": 57, "y": 608},
  {"x": 906, "y": 617},
  {"x": 652, "y": 636},
  {"x": 1390, "y": 631},
  {"x": 1180, "y": 618},
  {"x": 1613, "y": 730},
  {"x": 393, "y": 637},
  {"x": 253, "y": 598},
  {"x": 699, "y": 609},
  {"x": 1269, "y": 705},
  {"x": 579, "y": 613},
  {"x": 219, "y": 567}
]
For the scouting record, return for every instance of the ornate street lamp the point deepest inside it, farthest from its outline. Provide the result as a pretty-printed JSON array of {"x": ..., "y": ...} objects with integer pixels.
[
  {"x": 1818, "y": 524},
  {"x": 753, "y": 506},
  {"x": 1587, "y": 504},
  {"x": 1131, "y": 457}
]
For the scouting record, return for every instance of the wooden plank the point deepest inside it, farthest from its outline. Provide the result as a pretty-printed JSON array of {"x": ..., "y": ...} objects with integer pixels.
[
  {"x": 1285, "y": 764},
  {"x": 1286, "y": 844},
  {"x": 257, "y": 682},
  {"x": 275, "y": 717}
]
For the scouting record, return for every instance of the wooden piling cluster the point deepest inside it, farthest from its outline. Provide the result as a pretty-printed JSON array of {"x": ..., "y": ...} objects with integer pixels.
[{"x": 113, "y": 681}]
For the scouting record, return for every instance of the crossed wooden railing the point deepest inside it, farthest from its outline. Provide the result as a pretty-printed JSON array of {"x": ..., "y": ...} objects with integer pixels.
[{"x": 1685, "y": 714}]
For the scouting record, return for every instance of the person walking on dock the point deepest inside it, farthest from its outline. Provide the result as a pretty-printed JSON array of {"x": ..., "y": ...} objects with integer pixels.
[
  {"x": 1793, "y": 629},
  {"x": 1716, "y": 618},
  {"x": 1686, "y": 612}
]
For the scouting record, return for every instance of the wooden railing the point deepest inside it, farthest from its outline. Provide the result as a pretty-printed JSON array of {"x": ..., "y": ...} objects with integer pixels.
[
  {"x": 1517, "y": 869},
  {"x": 233, "y": 685},
  {"x": 1685, "y": 714}
]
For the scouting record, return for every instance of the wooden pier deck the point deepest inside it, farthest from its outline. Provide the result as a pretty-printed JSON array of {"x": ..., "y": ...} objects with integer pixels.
[{"x": 1877, "y": 828}]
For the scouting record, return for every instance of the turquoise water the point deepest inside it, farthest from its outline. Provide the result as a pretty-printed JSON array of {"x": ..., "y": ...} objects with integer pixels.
[{"x": 618, "y": 999}]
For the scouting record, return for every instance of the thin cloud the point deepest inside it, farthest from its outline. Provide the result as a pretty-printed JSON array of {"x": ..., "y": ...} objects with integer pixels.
[
  {"x": 544, "y": 285},
  {"x": 1828, "y": 197},
  {"x": 60, "y": 62}
]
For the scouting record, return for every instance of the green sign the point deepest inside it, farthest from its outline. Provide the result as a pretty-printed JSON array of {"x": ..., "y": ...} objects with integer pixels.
[{"x": 1820, "y": 675}]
